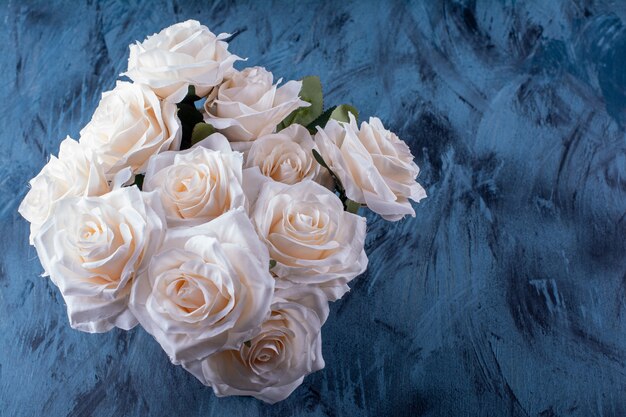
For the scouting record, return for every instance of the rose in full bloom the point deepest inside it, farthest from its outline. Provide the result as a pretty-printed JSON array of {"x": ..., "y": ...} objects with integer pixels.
[
  {"x": 76, "y": 172},
  {"x": 309, "y": 235},
  {"x": 285, "y": 156},
  {"x": 208, "y": 288},
  {"x": 272, "y": 364},
  {"x": 130, "y": 125},
  {"x": 93, "y": 248},
  {"x": 375, "y": 167},
  {"x": 198, "y": 184},
  {"x": 182, "y": 55},
  {"x": 248, "y": 105}
]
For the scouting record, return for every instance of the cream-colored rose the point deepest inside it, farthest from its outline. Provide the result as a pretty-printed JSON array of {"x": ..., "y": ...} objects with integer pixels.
[
  {"x": 208, "y": 288},
  {"x": 248, "y": 105},
  {"x": 275, "y": 361},
  {"x": 198, "y": 184},
  {"x": 130, "y": 125},
  {"x": 94, "y": 247},
  {"x": 309, "y": 235},
  {"x": 285, "y": 156},
  {"x": 375, "y": 167},
  {"x": 182, "y": 55},
  {"x": 74, "y": 173}
]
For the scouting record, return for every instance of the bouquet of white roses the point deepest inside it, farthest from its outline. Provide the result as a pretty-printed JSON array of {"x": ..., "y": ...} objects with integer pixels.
[{"x": 217, "y": 209}]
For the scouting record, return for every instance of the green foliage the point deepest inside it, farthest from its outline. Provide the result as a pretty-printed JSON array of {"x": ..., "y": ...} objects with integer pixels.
[
  {"x": 201, "y": 131},
  {"x": 351, "y": 206},
  {"x": 310, "y": 92},
  {"x": 320, "y": 160},
  {"x": 321, "y": 120},
  {"x": 340, "y": 113},
  {"x": 314, "y": 115}
]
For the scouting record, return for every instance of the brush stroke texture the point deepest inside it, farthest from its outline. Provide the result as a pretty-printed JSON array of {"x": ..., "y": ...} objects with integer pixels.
[{"x": 505, "y": 296}]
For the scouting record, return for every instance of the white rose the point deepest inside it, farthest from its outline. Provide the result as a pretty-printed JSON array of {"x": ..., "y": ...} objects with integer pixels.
[
  {"x": 375, "y": 167},
  {"x": 94, "y": 247},
  {"x": 74, "y": 173},
  {"x": 285, "y": 156},
  {"x": 130, "y": 125},
  {"x": 309, "y": 235},
  {"x": 248, "y": 105},
  {"x": 208, "y": 288},
  {"x": 198, "y": 184},
  {"x": 181, "y": 55},
  {"x": 276, "y": 360}
]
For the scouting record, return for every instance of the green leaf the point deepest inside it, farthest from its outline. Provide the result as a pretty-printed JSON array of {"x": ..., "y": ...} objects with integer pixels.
[
  {"x": 310, "y": 92},
  {"x": 321, "y": 120},
  {"x": 139, "y": 181},
  {"x": 351, "y": 206},
  {"x": 319, "y": 158},
  {"x": 247, "y": 343},
  {"x": 201, "y": 131},
  {"x": 341, "y": 113},
  {"x": 272, "y": 263}
]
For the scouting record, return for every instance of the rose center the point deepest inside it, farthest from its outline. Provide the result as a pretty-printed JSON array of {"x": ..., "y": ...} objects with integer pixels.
[{"x": 188, "y": 296}]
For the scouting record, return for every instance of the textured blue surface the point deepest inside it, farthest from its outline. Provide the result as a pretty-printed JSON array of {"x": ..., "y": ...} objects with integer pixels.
[{"x": 505, "y": 296}]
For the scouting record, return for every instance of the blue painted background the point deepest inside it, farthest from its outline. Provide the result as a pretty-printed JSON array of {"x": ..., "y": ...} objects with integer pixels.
[{"x": 505, "y": 296}]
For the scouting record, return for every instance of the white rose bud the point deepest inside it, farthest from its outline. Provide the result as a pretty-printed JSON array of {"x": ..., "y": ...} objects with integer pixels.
[
  {"x": 74, "y": 173},
  {"x": 285, "y": 156},
  {"x": 130, "y": 125},
  {"x": 93, "y": 248},
  {"x": 309, "y": 235},
  {"x": 375, "y": 167},
  {"x": 198, "y": 184},
  {"x": 208, "y": 288},
  {"x": 182, "y": 55},
  {"x": 248, "y": 105},
  {"x": 272, "y": 364}
]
